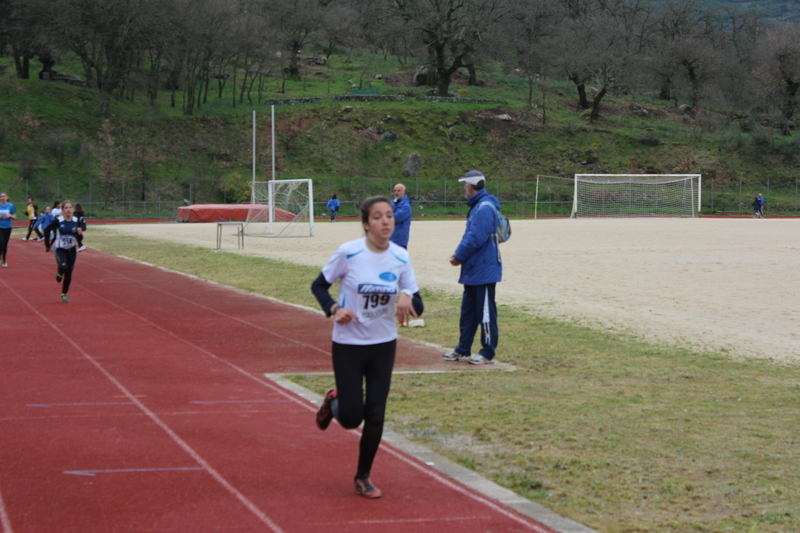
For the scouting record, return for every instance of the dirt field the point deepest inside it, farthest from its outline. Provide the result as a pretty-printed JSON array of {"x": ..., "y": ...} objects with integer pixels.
[{"x": 729, "y": 284}]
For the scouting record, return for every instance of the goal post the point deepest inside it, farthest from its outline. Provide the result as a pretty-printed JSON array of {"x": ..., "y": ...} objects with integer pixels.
[
  {"x": 637, "y": 195},
  {"x": 281, "y": 208}
]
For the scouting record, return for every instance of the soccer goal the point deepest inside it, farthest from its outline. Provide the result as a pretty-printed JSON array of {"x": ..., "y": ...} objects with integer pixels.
[
  {"x": 637, "y": 195},
  {"x": 281, "y": 208}
]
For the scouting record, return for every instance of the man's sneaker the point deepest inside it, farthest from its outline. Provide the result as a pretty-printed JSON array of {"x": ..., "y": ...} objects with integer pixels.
[
  {"x": 82, "y": 248},
  {"x": 58, "y": 277},
  {"x": 365, "y": 488},
  {"x": 64, "y": 298},
  {"x": 40, "y": 239},
  {"x": 24, "y": 239},
  {"x": 455, "y": 356},
  {"x": 478, "y": 359},
  {"x": 325, "y": 414}
]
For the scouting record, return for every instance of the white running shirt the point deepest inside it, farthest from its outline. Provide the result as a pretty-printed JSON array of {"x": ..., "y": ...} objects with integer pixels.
[{"x": 369, "y": 284}]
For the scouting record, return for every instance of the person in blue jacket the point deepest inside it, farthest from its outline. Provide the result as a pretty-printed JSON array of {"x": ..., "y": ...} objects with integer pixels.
[
  {"x": 481, "y": 269},
  {"x": 8, "y": 214},
  {"x": 402, "y": 216},
  {"x": 333, "y": 205},
  {"x": 44, "y": 220}
]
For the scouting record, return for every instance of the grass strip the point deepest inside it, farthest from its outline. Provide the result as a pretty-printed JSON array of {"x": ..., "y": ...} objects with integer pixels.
[{"x": 621, "y": 435}]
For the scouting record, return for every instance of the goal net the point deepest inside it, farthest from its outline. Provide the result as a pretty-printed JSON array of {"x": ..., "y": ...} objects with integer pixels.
[
  {"x": 636, "y": 195},
  {"x": 280, "y": 208}
]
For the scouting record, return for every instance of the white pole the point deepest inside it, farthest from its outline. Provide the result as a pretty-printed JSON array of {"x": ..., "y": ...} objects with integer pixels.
[
  {"x": 311, "y": 206},
  {"x": 575, "y": 199},
  {"x": 699, "y": 193},
  {"x": 254, "y": 145},
  {"x": 536, "y": 198},
  {"x": 273, "y": 141}
]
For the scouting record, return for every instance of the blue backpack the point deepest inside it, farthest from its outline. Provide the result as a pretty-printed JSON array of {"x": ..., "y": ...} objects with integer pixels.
[{"x": 502, "y": 231}]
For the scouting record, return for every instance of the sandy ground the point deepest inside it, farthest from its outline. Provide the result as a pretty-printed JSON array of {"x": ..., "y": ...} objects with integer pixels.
[{"x": 729, "y": 284}]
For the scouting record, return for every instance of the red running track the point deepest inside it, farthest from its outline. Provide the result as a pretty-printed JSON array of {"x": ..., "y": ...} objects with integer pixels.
[{"x": 142, "y": 406}]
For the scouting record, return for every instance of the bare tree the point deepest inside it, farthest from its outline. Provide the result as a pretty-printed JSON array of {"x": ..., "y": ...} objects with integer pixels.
[
  {"x": 779, "y": 71},
  {"x": 452, "y": 31}
]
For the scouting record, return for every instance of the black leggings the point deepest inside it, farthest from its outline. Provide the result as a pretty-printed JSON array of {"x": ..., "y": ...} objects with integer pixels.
[
  {"x": 352, "y": 366},
  {"x": 65, "y": 257},
  {"x": 31, "y": 229},
  {"x": 5, "y": 236}
]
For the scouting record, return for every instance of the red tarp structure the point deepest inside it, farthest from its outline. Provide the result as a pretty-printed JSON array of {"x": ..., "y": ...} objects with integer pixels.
[{"x": 230, "y": 213}]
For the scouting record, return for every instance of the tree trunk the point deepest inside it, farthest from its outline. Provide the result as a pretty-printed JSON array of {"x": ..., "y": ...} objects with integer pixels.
[
  {"x": 666, "y": 89},
  {"x": 595, "y": 116},
  {"x": 473, "y": 78},
  {"x": 581, "y": 86}
]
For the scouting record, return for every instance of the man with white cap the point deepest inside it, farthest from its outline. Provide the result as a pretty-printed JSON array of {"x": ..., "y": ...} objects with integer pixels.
[{"x": 481, "y": 269}]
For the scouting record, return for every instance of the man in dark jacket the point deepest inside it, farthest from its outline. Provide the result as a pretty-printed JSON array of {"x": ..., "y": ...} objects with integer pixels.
[
  {"x": 481, "y": 269},
  {"x": 402, "y": 216}
]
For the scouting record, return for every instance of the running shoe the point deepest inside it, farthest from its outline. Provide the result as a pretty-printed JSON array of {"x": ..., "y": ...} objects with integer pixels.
[
  {"x": 455, "y": 356},
  {"x": 40, "y": 239},
  {"x": 58, "y": 277},
  {"x": 325, "y": 414},
  {"x": 24, "y": 239},
  {"x": 5, "y": 265},
  {"x": 82, "y": 248},
  {"x": 365, "y": 488},
  {"x": 64, "y": 298},
  {"x": 478, "y": 359}
]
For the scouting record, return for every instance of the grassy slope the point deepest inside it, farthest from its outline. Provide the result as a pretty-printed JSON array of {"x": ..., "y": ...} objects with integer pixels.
[
  {"x": 618, "y": 434},
  {"x": 329, "y": 141}
]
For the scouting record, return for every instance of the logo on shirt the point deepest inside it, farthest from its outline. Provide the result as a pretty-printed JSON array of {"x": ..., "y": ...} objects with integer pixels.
[
  {"x": 388, "y": 276},
  {"x": 374, "y": 288}
]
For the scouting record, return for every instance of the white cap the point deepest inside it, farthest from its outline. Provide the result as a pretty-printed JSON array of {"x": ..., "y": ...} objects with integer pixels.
[{"x": 473, "y": 177}]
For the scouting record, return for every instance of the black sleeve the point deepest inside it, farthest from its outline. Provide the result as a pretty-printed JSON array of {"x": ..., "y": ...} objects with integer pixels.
[
  {"x": 320, "y": 288},
  {"x": 416, "y": 301},
  {"x": 53, "y": 226}
]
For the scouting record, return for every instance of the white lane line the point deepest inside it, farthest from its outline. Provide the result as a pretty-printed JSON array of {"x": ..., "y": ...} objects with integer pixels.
[{"x": 150, "y": 414}]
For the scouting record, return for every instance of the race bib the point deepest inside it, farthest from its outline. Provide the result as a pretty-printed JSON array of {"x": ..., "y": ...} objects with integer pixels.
[
  {"x": 375, "y": 301},
  {"x": 66, "y": 241}
]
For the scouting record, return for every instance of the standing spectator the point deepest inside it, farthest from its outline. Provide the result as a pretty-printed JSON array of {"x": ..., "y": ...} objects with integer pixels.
[
  {"x": 374, "y": 274},
  {"x": 756, "y": 207},
  {"x": 56, "y": 211},
  {"x": 333, "y": 205},
  {"x": 81, "y": 216},
  {"x": 402, "y": 216},
  {"x": 481, "y": 269},
  {"x": 8, "y": 214},
  {"x": 761, "y": 202},
  {"x": 31, "y": 212},
  {"x": 66, "y": 228}
]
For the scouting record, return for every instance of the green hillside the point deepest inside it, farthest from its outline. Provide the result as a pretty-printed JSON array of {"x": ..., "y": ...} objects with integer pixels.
[{"x": 55, "y": 144}]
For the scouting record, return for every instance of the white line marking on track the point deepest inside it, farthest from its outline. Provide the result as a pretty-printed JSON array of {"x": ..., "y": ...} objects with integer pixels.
[
  {"x": 75, "y": 404},
  {"x": 150, "y": 414},
  {"x": 132, "y": 470},
  {"x": 4, "y": 519}
]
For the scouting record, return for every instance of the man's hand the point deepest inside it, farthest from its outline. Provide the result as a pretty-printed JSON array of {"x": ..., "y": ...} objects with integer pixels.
[{"x": 453, "y": 261}]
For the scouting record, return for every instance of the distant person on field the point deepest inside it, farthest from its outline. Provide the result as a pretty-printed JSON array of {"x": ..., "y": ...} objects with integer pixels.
[
  {"x": 481, "y": 269},
  {"x": 402, "y": 216},
  {"x": 757, "y": 208},
  {"x": 761, "y": 202},
  {"x": 8, "y": 214},
  {"x": 32, "y": 216},
  {"x": 333, "y": 205},
  {"x": 81, "y": 216},
  {"x": 56, "y": 211}
]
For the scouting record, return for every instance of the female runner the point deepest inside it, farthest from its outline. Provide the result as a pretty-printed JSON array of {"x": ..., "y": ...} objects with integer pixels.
[
  {"x": 376, "y": 286},
  {"x": 66, "y": 228}
]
